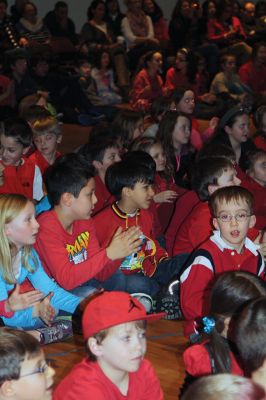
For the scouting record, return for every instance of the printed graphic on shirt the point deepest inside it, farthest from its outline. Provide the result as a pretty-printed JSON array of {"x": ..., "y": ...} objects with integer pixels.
[
  {"x": 77, "y": 252},
  {"x": 134, "y": 261}
]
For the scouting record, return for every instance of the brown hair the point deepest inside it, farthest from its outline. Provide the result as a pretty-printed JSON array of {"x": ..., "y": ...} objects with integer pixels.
[{"x": 229, "y": 194}]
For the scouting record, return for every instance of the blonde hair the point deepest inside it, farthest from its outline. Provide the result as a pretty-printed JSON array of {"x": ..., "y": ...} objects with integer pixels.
[
  {"x": 46, "y": 124},
  {"x": 11, "y": 205}
]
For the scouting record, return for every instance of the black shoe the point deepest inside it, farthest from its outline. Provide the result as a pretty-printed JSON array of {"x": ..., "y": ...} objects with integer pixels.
[{"x": 167, "y": 301}]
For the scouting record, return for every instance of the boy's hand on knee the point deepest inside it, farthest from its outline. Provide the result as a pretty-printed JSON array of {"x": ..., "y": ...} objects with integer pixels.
[{"x": 124, "y": 243}]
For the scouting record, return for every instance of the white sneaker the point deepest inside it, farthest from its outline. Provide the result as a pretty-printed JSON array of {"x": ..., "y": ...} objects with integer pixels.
[{"x": 145, "y": 300}]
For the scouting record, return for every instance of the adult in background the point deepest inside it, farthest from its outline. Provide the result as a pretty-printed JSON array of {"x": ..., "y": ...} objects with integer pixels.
[{"x": 138, "y": 31}]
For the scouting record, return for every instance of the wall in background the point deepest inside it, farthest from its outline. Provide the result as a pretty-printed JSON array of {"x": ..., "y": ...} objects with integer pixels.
[{"x": 78, "y": 8}]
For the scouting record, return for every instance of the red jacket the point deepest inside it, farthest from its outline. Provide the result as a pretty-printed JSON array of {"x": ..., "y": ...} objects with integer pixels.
[
  {"x": 140, "y": 99},
  {"x": 104, "y": 197},
  {"x": 213, "y": 258},
  {"x": 150, "y": 254},
  {"x": 260, "y": 142},
  {"x": 217, "y": 31},
  {"x": 87, "y": 381},
  {"x": 253, "y": 76},
  {"x": 259, "y": 195},
  {"x": 38, "y": 159},
  {"x": 198, "y": 362},
  {"x": 19, "y": 179},
  {"x": 71, "y": 259}
]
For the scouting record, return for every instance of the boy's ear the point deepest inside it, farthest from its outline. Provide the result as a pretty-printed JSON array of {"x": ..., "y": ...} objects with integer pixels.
[
  {"x": 211, "y": 189},
  {"x": 7, "y": 389},
  {"x": 94, "y": 347},
  {"x": 97, "y": 164},
  {"x": 126, "y": 191},
  {"x": 252, "y": 221},
  {"x": 66, "y": 199},
  {"x": 215, "y": 224}
]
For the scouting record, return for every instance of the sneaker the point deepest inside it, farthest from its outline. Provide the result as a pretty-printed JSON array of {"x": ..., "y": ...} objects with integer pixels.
[
  {"x": 145, "y": 300},
  {"x": 167, "y": 301},
  {"x": 60, "y": 330}
]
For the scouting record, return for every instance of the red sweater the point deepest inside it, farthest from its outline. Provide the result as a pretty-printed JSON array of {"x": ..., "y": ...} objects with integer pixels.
[
  {"x": 213, "y": 258},
  {"x": 150, "y": 253},
  {"x": 104, "y": 197},
  {"x": 71, "y": 259},
  {"x": 253, "y": 76},
  {"x": 19, "y": 179},
  {"x": 87, "y": 381},
  {"x": 259, "y": 195},
  {"x": 198, "y": 363},
  {"x": 37, "y": 158},
  {"x": 139, "y": 98},
  {"x": 217, "y": 31}
]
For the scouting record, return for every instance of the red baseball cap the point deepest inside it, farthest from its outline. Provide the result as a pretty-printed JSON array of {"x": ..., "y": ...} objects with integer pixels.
[{"x": 113, "y": 308}]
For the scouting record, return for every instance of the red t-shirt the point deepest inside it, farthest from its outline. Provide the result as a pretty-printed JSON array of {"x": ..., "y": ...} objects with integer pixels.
[{"x": 87, "y": 381}]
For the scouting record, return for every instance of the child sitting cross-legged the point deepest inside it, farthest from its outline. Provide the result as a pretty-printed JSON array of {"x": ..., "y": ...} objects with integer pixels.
[
  {"x": 149, "y": 267},
  {"x": 46, "y": 137},
  {"x": 24, "y": 372},
  {"x": 217, "y": 351},
  {"x": 114, "y": 325},
  {"x": 227, "y": 249}
]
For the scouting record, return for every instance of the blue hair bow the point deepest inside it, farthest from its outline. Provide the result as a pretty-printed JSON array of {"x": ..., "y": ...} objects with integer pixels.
[{"x": 208, "y": 324}]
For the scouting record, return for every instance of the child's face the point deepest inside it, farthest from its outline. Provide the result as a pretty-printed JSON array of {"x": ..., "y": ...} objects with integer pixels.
[
  {"x": 157, "y": 153},
  {"x": 239, "y": 131},
  {"x": 181, "y": 132},
  {"x": 105, "y": 60},
  {"x": 139, "y": 129},
  {"x": 234, "y": 232},
  {"x": 141, "y": 196},
  {"x": 229, "y": 65},
  {"x": 11, "y": 151},
  {"x": 187, "y": 103},
  {"x": 228, "y": 178},
  {"x": 47, "y": 143},
  {"x": 123, "y": 349},
  {"x": 20, "y": 67},
  {"x": 85, "y": 70},
  {"x": 111, "y": 156},
  {"x": 32, "y": 384},
  {"x": 258, "y": 171},
  {"x": 83, "y": 205},
  {"x": 23, "y": 229}
]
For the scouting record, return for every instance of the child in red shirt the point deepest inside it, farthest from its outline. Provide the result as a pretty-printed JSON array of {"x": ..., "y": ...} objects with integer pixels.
[
  {"x": 255, "y": 182},
  {"x": 115, "y": 369},
  {"x": 46, "y": 136},
  {"x": 228, "y": 249},
  {"x": 20, "y": 175}
]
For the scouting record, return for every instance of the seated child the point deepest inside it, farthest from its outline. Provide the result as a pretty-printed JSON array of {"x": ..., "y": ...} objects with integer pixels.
[
  {"x": 126, "y": 127},
  {"x": 224, "y": 387},
  {"x": 255, "y": 182},
  {"x": 227, "y": 249},
  {"x": 24, "y": 372},
  {"x": 114, "y": 325},
  {"x": 216, "y": 353},
  {"x": 259, "y": 120},
  {"x": 67, "y": 242},
  {"x": 103, "y": 75},
  {"x": 46, "y": 137},
  {"x": 149, "y": 267},
  {"x": 20, "y": 175},
  {"x": 101, "y": 154},
  {"x": 250, "y": 337},
  {"x": 20, "y": 262},
  {"x": 209, "y": 175}
]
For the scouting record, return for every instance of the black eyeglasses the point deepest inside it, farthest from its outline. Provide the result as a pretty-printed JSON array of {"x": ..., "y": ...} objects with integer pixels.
[{"x": 41, "y": 370}]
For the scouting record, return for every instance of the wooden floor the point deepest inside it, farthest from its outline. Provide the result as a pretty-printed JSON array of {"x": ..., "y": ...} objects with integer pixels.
[{"x": 165, "y": 338}]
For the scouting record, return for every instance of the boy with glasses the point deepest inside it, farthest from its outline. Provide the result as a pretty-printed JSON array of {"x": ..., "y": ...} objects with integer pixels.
[
  {"x": 24, "y": 373},
  {"x": 227, "y": 249}
]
